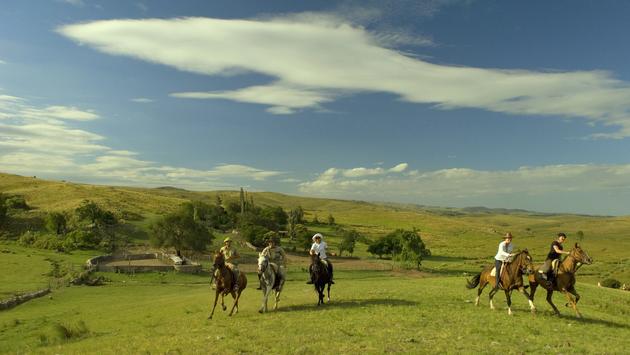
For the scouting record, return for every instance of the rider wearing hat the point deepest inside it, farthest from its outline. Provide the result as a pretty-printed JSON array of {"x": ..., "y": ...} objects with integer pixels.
[
  {"x": 555, "y": 252},
  {"x": 276, "y": 255},
  {"x": 319, "y": 247},
  {"x": 231, "y": 255},
  {"x": 503, "y": 255}
]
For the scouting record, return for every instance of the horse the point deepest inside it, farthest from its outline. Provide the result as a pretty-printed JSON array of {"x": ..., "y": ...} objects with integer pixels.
[
  {"x": 320, "y": 277},
  {"x": 270, "y": 280},
  {"x": 224, "y": 284},
  {"x": 511, "y": 279},
  {"x": 565, "y": 280}
]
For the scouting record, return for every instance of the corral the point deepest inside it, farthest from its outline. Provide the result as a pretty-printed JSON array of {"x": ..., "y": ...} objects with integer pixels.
[{"x": 133, "y": 263}]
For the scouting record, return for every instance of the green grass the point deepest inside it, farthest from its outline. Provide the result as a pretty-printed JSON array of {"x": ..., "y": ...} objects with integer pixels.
[{"x": 371, "y": 312}]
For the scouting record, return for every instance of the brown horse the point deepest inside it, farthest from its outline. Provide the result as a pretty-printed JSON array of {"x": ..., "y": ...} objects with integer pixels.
[
  {"x": 511, "y": 279},
  {"x": 320, "y": 275},
  {"x": 565, "y": 280},
  {"x": 225, "y": 284}
]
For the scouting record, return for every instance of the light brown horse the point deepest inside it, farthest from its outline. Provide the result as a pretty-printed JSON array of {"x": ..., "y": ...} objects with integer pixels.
[
  {"x": 225, "y": 284},
  {"x": 511, "y": 279},
  {"x": 565, "y": 280}
]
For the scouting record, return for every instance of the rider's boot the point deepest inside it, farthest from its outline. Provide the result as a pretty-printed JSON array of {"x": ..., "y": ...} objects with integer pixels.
[{"x": 259, "y": 283}]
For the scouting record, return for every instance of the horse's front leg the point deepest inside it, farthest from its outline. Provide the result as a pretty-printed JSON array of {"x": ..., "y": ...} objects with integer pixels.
[
  {"x": 573, "y": 303},
  {"x": 223, "y": 301},
  {"x": 328, "y": 293},
  {"x": 266, "y": 291},
  {"x": 549, "y": 300},
  {"x": 532, "y": 307},
  {"x": 216, "y": 298},
  {"x": 482, "y": 285}
]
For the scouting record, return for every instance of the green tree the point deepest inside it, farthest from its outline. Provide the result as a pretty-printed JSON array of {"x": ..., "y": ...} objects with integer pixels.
[
  {"x": 296, "y": 217},
  {"x": 315, "y": 220},
  {"x": 331, "y": 219},
  {"x": 56, "y": 222},
  {"x": 3, "y": 210},
  {"x": 348, "y": 241},
  {"x": 180, "y": 231},
  {"x": 403, "y": 246}
]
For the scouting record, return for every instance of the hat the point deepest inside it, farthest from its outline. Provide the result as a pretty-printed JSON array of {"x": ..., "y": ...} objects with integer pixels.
[
  {"x": 318, "y": 235},
  {"x": 228, "y": 239},
  {"x": 507, "y": 235}
]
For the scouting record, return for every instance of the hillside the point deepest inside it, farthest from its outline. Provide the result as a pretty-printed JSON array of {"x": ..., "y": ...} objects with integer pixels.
[{"x": 463, "y": 238}]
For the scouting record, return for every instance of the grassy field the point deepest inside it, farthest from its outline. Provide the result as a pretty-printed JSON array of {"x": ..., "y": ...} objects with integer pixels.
[
  {"x": 376, "y": 307},
  {"x": 370, "y": 312}
]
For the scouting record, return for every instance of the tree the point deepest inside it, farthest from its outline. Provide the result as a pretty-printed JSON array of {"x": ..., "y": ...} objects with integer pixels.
[
  {"x": 404, "y": 246},
  {"x": 296, "y": 216},
  {"x": 180, "y": 231},
  {"x": 56, "y": 222},
  {"x": 348, "y": 242},
  {"x": 3, "y": 210},
  {"x": 315, "y": 220},
  {"x": 331, "y": 219}
]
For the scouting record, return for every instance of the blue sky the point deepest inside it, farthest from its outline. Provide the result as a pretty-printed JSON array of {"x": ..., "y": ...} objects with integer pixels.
[{"x": 441, "y": 102}]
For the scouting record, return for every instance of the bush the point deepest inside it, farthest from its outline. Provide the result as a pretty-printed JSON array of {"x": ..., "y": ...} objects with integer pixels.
[
  {"x": 611, "y": 283},
  {"x": 254, "y": 234},
  {"x": 16, "y": 202},
  {"x": 404, "y": 246}
]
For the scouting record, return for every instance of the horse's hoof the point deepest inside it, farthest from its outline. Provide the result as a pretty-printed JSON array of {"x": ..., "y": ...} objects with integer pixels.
[
  {"x": 224, "y": 308},
  {"x": 261, "y": 311}
]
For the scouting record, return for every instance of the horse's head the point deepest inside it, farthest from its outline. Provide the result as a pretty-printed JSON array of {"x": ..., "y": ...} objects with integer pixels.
[
  {"x": 315, "y": 258},
  {"x": 263, "y": 263},
  {"x": 524, "y": 262},
  {"x": 219, "y": 260},
  {"x": 580, "y": 255}
]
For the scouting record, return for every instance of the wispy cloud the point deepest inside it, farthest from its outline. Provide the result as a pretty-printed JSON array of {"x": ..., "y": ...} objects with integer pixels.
[
  {"x": 315, "y": 58},
  {"x": 461, "y": 186},
  {"x": 79, "y": 3},
  {"x": 42, "y": 141},
  {"x": 141, "y": 100}
]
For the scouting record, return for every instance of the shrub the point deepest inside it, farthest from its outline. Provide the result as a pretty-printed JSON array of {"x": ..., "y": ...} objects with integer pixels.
[
  {"x": 612, "y": 283},
  {"x": 254, "y": 234},
  {"x": 16, "y": 202}
]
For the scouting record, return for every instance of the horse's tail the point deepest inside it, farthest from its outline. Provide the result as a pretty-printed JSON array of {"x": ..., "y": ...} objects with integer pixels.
[{"x": 470, "y": 284}]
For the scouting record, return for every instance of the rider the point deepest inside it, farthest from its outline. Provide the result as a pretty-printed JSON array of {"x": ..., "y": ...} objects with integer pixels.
[
  {"x": 319, "y": 247},
  {"x": 555, "y": 252},
  {"x": 231, "y": 255},
  {"x": 503, "y": 255},
  {"x": 276, "y": 255}
]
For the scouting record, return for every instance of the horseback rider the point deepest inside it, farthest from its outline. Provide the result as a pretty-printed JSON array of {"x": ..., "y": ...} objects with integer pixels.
[
  {"x": 231, "y": 255},
  {"x": 319, "y": 247},
  {"x": 503, "y": 256},
  {"x": 555, "y": 252},
  {"x": 276, "y": 255}
]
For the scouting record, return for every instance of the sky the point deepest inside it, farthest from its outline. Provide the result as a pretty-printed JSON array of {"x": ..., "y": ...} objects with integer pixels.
[{"x": 433, "y": 102}]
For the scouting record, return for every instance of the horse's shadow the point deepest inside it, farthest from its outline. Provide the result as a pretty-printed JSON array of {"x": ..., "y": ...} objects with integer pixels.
[
  {"x": 607, "y": 323},
  {"x": 352, "y": 303}
]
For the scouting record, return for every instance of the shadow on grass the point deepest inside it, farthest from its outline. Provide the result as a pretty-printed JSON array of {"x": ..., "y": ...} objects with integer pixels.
[
  {"x": 353, "y": 303},
  {"x": 584, "y": 320}
]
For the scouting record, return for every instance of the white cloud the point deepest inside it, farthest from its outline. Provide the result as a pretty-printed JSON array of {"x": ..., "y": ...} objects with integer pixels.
[
  {"x": 79, "y": 3},
  {"x": 2, "y": 62},
  {"x": 461, "y": 186},
  {"x": 41, "y": 141},
  {"x": 315, "y": 58},
  {"x": 141, "y": 100}
]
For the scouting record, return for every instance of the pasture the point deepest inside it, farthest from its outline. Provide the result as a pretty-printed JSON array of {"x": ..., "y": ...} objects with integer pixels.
[
  {"x": 375, "y": 306},
  {"x": 370, "y": 312}
]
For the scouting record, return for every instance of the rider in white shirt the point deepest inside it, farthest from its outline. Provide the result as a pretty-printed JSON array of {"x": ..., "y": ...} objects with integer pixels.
[
  {"x": 319, "y": 247},
  {"x": 503, "y": 255}
]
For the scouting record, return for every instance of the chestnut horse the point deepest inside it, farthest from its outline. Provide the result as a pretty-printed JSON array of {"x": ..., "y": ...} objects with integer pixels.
[
  {"x": 225, "y": 284},
  {"x": 511, "y": 279},
  {"x": 320, "y": 277},
  {"x": 565, "y": 280}
]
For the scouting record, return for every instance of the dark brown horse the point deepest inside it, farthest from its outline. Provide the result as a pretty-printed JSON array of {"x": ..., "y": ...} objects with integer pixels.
[
  {"x": 565, "y": 280},
  {"x": 511, "y": 279},
  {"x": 225, "y": 284},
  {"x": 320, "y": 277}
]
